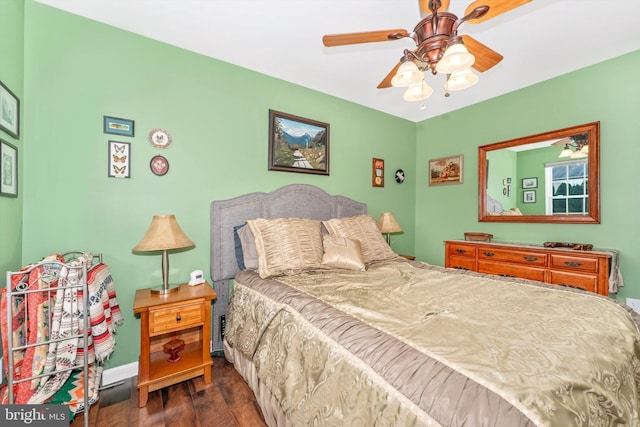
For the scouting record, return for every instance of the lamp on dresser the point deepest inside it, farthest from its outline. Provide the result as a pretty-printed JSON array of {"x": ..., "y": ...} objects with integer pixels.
[
  {"x": 388, "y": 224},
  {"x": 164, "y": 234}
]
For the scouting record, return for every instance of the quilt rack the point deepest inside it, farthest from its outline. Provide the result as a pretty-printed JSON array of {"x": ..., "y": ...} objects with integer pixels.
[{"x": 77, "y": 268}]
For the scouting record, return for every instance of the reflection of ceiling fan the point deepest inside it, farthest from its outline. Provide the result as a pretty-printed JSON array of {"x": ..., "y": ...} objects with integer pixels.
[
  {"x": 575, "y": 146},
  {"x": 439, "y": 47}
]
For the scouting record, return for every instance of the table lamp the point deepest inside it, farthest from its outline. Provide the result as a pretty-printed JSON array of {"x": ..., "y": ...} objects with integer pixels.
[
  {"x": 388, "y": 224},
  {"x": 163, "y": 234}
]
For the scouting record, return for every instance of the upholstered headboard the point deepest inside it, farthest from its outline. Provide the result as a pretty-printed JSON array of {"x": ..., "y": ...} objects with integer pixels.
[{"x": 295, "y": 200}]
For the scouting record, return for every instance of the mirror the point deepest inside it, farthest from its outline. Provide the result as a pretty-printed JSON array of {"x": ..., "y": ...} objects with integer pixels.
[{"x": 551, "y": 177}]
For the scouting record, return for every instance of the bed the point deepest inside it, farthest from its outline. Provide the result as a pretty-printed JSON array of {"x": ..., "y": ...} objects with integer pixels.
[{"x": 352, "y": 334}]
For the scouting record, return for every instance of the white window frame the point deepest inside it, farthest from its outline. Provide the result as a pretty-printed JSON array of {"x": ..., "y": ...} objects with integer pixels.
[{"x": 548, "y": 190}]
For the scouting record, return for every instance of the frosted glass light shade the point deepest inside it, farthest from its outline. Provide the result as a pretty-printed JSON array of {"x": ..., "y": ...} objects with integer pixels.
[
  {"x": 461, "y": 80},
  {"x": 566, "y": 152},
  {"x": 455, "y": 58},
  {"x": 418, "y": 92},
  {"x": 408, "y": 73}
]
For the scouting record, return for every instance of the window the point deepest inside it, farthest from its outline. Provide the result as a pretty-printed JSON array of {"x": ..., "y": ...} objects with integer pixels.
[{"x": 567, "y": 188}]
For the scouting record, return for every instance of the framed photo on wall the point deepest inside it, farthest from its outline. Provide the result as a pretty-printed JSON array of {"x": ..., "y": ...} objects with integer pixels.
[
  {"x": 446, "y": 170},
  {"x": 117, "y": 126},
  {"x": 529, "y": 196},
  {"x": 377, "y": 172},
  {"x": 9, "y": 112},
  {"x": 297, "y": 144},
  {"x": 119, "y": 159},
  {"x": 8, "y": 169},
  {"x": 530, "y": 182}
]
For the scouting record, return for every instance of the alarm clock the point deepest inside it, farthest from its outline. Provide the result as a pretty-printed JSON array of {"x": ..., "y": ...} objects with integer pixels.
[{"x": 197, "y": 277}]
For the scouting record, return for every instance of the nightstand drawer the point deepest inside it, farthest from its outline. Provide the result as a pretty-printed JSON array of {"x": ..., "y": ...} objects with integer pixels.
[
  {"x": 574, "y": 263},
  {"x": 175, "y": 318}
]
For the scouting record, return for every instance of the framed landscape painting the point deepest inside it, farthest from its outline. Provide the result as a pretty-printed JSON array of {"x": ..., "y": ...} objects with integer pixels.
[
  {"x": 445, "y": 170},
  {"x": 297, "y": 144}
]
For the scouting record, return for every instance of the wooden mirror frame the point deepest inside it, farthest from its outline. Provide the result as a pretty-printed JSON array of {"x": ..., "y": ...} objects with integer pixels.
[{"x": 593, "y": 131}]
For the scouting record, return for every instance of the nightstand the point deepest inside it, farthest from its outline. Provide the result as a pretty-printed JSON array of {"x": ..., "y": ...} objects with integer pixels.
[
  {"x": 409, "y": 257},
  {"x": 184, "y": 315}
]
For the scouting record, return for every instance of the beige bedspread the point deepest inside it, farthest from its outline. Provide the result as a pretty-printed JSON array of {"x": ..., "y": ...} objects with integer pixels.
[{"x": 401, "y": 345}]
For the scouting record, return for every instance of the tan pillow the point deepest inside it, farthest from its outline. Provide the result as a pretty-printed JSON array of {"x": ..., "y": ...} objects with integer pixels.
[
  {"x": 342, "y": 252},
  {"x": 286, "y": 245},
  {"x": 364, "y": 229}
]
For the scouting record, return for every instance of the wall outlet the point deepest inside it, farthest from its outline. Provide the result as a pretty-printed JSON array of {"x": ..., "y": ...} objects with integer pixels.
[{"x": 634, "y": 303}]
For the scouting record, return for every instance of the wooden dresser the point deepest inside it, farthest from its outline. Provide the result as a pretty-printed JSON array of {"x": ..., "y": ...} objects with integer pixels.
[{"x": 588, "y": 270}]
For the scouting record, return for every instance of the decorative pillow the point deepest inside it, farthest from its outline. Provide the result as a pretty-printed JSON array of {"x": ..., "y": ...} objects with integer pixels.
[
  {"x": 249, "y": 253},
  {"x": 286, "y": 245},
  {"x": 342, "y": 252},
  {"x": 364, "y": 229}
]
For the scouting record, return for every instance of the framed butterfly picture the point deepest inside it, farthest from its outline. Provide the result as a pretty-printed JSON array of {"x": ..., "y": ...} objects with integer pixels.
[{"x": 119, "y": 159}]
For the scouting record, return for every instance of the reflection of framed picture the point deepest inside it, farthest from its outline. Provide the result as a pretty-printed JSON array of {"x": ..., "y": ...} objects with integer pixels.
[
  {"x": 9, "y": 112},
  {"x": 297, "y": 144},
  {"x": 8, "y": 169},
  {"x": 119, "y": 159},
  {"x": 377, "y": 172},
  {"x": 529, "y": 196},
  {"x": 116, "y": 126},
  {"x": 530, "y": 182},
  {"x": 446, "y": 170}
]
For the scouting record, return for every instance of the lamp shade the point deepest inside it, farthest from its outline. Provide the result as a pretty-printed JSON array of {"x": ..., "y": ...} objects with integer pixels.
[
  {"x": 388, "y": 223},
  {"x": 408, "y": 73},
  {"x": 455, "y": 58},
  {"x": 461, "y": 80},
  {"x": 418, "y": 92},
  {"x": 163, "y": 233}
]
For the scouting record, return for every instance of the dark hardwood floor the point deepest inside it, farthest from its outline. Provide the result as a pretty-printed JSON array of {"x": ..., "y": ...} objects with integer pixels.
[{"x": 226, "y": 401}]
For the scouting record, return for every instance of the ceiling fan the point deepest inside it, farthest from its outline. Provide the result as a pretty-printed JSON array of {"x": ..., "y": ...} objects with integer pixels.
[{"x": 439, "y": 47}]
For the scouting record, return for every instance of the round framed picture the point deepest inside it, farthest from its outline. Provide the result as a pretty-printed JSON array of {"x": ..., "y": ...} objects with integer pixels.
[
  {"x": 159, "y": 138},
  {"x": 159, "y": 165},
  {"x": 399, "y": 176}
]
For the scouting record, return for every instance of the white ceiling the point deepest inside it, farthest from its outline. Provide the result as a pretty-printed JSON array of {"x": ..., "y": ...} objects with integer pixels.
[{"x": 283, "y": 39}]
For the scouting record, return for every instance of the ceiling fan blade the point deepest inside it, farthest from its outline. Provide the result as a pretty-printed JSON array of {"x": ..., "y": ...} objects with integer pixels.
[
  {"x": 386, "y": 82},
  {"x": 562, "y": 142},
  {"x": 485, "y": 57},
  {"x": 425, "y": 5},
  {"x": 365, "y": 37},
  {"x": 496, "y": 7}
]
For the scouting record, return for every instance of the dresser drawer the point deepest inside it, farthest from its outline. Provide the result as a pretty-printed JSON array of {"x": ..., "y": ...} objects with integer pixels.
[
  {"x": 461, "y": 250},
  {"x": 461, "y": 263},
  {"x": 175, "y": 318},
  {"x": 511, "y": 270},
  {"x": 574, "y": 263},
  {"x": 519, "y": 256},
  {"x": 585, "y": 282}
]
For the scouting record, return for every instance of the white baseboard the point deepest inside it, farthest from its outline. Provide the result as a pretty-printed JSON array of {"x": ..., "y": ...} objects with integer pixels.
[{"x": 119, "y": 373}]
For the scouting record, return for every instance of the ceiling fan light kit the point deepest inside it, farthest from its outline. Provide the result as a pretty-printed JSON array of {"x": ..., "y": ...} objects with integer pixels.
[{"x": 439, "y": 47}]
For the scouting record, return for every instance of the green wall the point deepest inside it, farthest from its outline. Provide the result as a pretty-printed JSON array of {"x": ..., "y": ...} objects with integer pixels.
[
  {"x": 77, "y": 70},
  {"x": 591, "y": 94},
  {"x": 11, "y": 74}
]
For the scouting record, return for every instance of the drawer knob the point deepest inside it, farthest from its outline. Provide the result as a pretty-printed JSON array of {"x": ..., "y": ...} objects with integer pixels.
[
  {"x": 460, "y": 251},
  {"x": 178, "y": 317},
  {"x": 573, "y": 263},
  {"x": 531, "y": 258},
  {"x": 488, "y": 253}
]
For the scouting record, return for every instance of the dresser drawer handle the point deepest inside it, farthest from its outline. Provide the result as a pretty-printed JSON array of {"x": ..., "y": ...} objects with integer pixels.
[
  {"x": 461, "y": 251},
  {"x": 530, "y": 258},
  {"x": 488, "y": 253},
  {"x": 573, "y": 263},
  {"x": 460, "y": 268},
  {"x": 178, "y": 317},
  {"x": 505, "y": 275}
]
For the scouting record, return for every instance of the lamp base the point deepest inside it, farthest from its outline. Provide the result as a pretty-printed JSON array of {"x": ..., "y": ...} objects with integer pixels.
[{"x": 161, "y": 290}]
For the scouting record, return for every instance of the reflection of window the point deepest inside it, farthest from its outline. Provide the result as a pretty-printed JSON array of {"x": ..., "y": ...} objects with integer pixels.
[{"x": 567, "y": 188}]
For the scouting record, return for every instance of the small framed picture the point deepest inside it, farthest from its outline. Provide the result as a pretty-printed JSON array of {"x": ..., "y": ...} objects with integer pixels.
[
  {"x": 9, "y": 112},
  {"x": 530, "y": 182},
  {"x": 119, "y": 159},
  {"x": 8, "y": 169},
  {"x": 377, "y": 172},
  {"x": 117, "y": 126},
  {"x": 159, "y": 165},
  {"x": 529, "y": 196},
  {"x": 445, "y": 170}
]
